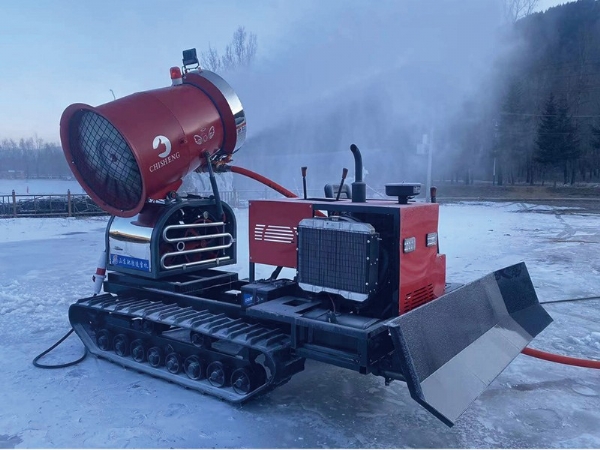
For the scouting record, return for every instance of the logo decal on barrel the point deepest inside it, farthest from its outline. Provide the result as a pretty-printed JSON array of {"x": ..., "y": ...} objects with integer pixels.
[
  {"x": 158, "y": 140},
  {"x": 166, "y": 157},
  {"x": 204, "y": 137}
]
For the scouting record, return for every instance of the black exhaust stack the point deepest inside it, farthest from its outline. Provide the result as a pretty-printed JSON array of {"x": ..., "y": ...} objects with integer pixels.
[
  {"x": 304, "y": 169},
  {"x": 359, "y": 188}
]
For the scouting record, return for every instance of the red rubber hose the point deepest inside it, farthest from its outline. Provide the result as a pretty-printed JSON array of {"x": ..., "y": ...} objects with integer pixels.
[
  {"x": 264, "y": 180},
  {"x": 589, "y": 363}
]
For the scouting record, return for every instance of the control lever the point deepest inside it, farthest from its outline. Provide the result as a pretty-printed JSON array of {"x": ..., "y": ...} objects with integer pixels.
[{"x": 344, "y": 174}]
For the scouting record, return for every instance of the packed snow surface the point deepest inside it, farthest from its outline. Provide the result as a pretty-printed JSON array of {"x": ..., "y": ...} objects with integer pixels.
[{"x": 46, "y": 264}]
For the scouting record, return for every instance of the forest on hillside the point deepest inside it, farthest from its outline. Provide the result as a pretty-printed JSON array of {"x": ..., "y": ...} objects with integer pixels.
[{"x": 544, "y": 123}]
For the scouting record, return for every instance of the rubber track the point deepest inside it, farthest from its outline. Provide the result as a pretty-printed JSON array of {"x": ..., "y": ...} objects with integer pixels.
[{"x": 218, "y": 326}]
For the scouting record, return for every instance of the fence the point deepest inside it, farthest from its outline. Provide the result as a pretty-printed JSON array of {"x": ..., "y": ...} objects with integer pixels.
[
  {"x": 72, "y": 205},
  {"x": 53, "y": 205}
]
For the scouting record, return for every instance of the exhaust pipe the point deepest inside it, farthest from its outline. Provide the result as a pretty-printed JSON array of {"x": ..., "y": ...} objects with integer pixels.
[{"x": 359, "y": 188}]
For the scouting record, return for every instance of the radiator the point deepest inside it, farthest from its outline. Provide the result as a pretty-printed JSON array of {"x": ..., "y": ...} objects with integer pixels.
[{"x": 338, "y": 256}]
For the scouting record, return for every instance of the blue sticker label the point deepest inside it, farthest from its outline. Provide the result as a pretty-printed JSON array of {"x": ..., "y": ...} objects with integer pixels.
[
  {"x": 248, "y": 299},
  {"x": 130, "y": 263}
]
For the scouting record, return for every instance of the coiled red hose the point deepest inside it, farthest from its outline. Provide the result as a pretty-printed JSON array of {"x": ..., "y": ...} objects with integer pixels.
[{"x": 560, "y": 359}]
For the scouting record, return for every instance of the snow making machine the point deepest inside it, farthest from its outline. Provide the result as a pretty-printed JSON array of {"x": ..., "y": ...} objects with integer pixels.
[{"x": 369, "y": 292}]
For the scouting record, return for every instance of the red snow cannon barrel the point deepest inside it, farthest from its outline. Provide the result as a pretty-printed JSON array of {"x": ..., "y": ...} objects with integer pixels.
[{"x": 139, "y": 147}]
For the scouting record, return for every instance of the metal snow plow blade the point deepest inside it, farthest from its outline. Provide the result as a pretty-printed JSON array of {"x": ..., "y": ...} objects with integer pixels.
[{"x": 451, "y": 349}]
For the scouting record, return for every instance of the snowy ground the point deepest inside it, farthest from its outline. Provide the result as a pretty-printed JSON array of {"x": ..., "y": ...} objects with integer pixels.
[{"x": 46, "y": 264}]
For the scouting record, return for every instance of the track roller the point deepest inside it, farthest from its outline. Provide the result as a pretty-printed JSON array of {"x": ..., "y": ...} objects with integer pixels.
[
  {"x": 104, "y": 340},
  {"x": 200, "y": 340},
  {"x": 193, "y": 367},
  {"x": 241, "y": 381},
  {"x": 121, "y": 344},
  {"x": 173, "y": 362},
  {"x": 155, "y": 356},
  {"x": 138, "y": 351},
  {"x": 216, "y": 372}
]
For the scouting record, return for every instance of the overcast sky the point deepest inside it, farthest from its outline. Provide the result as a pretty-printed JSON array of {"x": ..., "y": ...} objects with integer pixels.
[{"x": 57, "y": 52}]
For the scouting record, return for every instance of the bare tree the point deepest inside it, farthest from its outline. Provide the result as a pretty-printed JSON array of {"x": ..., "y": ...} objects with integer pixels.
[
  {"x": 517, "y": 9},
  {"x": 244, "y": 46},
  {"x": 240, "y": 52},
  {"x": 228, "y": 60},
  {"x": 210, "y": 59}
]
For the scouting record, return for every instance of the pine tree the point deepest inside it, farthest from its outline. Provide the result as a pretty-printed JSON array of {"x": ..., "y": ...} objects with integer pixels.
[
  {"x": 595, "y": 137},
  {"x": 569, "y": 147},
  {"x": 509, "y": 146},
  {"x": 548, "y": 145},
  {"x": 592, "y": 158},
  {"x": 557, "y": 140}
]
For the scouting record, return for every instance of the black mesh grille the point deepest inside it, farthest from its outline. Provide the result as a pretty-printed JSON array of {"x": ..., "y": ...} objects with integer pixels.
[
  {"x": 104, "y": 160},
  {"x": 334, "y": 259}
]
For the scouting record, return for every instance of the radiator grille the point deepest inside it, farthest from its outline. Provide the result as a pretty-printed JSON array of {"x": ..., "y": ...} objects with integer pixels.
[
  {"x": 105, "y": 160},
  {"x": 418, "y": 297},
  {"x": 338, "y": 257}
]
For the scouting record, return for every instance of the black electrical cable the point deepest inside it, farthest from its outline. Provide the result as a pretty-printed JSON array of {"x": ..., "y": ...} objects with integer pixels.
[
  {"x": 570, "y": 300},
  {"x": 58, "y": 366},
  {"x": 562, "y": 359}
]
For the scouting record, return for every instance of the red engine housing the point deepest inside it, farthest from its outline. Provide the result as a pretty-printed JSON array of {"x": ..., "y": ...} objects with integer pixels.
[
  {"x": 273, "y": 240},
  {"x": 139, "y": 147}
]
